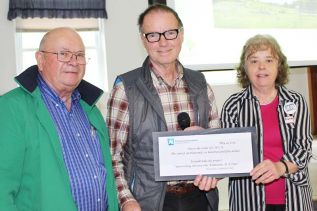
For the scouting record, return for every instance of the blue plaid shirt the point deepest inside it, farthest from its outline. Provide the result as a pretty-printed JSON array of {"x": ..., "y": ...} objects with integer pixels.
[{"x": 81, "y": 150}]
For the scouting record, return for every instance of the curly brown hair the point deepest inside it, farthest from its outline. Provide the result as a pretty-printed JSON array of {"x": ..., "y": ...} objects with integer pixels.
[{"x": 258, "y": 43}]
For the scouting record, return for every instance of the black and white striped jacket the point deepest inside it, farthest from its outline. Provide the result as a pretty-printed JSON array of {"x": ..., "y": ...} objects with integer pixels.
[{"x": 243, "y": 110}]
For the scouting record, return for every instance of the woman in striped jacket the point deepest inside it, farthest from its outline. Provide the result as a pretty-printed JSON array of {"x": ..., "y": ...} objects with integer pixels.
[{"x": 280, "y": 181}]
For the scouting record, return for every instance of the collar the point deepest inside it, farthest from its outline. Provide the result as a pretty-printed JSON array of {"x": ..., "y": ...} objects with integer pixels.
[
  {"x": 157, "y": 77},
  {"x": 194, "y": 79},
  {"x": 28, "y": 81},
  {"x": 284, "y": 94},
  {"x": 179, "y": 68},
  {"x": 52, "y": 95}
]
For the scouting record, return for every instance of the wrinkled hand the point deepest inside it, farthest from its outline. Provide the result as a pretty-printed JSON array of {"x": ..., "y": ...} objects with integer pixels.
[
  {"x": 267, "y": 171},
  {"x": 131, "y": 206},
  {"x": 205, "y": 183},
  {"x": 193, "y": 128}
]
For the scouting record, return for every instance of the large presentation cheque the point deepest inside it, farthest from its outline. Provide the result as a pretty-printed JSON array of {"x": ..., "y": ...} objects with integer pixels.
[{"x": 182, "y": 155}]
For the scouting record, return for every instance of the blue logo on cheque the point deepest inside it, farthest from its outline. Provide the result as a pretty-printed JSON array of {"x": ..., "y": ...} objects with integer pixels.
[{"x": 170, "y": 141}]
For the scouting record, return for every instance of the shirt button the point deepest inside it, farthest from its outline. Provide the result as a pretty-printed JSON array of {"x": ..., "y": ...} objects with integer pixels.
[
  {"x": 56, "y": 105},
  {"x": 78, "y": 134},
  {"x": 86, "y": 155},
  {"x": 95, "y": 177},
  {"x": 98, "y": 200}
]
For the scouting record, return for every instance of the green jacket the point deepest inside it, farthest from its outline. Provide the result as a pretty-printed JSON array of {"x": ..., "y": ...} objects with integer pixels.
[{"x": 33, "y": 176}]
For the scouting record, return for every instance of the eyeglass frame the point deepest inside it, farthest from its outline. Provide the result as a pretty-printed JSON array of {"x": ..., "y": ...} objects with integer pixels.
[
  {"x": 76, "y": 54},
  {"x": 162, "y": 33}
]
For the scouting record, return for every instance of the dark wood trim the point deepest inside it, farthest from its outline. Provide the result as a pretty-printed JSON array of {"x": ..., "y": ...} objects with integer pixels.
[{"x": 312, "y": 86}]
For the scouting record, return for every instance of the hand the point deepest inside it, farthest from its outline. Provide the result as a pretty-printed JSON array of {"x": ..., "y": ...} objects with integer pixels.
[
  {"x": 131, "y": 206},
  {"x": 193, "y": 128},
  {"x": 205, "y": 183},
  {"x": 267, "y": 171}
]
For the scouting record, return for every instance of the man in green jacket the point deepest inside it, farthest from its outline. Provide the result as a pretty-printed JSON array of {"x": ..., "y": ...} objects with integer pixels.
[{"x": 54, "y": 145}]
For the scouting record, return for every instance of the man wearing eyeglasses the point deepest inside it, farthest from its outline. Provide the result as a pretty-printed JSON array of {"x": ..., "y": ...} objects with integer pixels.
[
  {"x": 54, "y": 145},
  {"x": 149, "y": 99}
]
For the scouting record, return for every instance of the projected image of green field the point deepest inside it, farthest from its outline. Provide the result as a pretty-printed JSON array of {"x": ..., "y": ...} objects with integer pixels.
[{"x": 301, "y": 14}]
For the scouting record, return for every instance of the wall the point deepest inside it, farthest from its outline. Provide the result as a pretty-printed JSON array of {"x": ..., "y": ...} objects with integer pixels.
[{"x": 123, "y": 45}]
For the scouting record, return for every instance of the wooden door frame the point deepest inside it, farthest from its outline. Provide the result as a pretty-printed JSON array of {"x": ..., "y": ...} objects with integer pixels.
[{"x": 312, "y": 89}]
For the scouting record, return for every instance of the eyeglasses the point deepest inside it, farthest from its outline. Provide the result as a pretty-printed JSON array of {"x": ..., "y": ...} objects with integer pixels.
[
  {"x": 156, "y": 36},
  {"x": 66, "y": 56}
]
